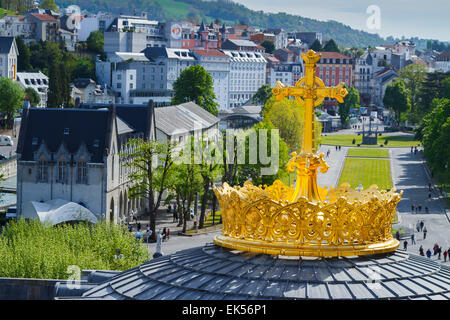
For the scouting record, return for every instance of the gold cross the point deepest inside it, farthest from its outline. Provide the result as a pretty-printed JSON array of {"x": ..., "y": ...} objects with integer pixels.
[{"x": 310, "y": 92}]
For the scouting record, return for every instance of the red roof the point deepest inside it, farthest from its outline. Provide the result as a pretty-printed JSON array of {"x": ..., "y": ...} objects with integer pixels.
[
  {"x": 333, "y": 55},
  {"x": 240, "y": 27},
  {"x": 43, "y": 17},
  {"x": 210, "y": 53},
  {"x": 234, "y": 37}
]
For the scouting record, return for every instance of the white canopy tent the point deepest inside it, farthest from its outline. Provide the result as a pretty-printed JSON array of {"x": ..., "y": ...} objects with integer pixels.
[{"x": 57, "y": 211}]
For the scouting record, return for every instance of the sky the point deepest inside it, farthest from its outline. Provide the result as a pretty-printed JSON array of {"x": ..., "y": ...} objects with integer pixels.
[{"x": 428, "y": 19}]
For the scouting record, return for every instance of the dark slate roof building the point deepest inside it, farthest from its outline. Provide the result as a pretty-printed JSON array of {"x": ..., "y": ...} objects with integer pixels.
[
  {"x": 215, "y": 273},
  {"x": 75, "y": 155}
]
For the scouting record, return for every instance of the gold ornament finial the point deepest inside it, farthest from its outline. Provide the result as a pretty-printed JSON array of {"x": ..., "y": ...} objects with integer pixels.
[{"x": 307, "y": 220}]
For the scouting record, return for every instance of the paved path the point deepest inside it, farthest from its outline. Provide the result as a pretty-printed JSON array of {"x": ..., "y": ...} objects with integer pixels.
[
  {"x": 409, "y": 175},
  {"x": 336, "y": 163}
]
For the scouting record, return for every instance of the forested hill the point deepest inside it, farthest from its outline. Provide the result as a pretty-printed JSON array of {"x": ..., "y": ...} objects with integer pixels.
[{"x": 230, "y": 13}]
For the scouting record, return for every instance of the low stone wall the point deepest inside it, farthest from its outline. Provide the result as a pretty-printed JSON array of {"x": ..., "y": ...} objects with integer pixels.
[
  {"x": 27, "y": 289},
  {"x": 50, "y": 289}
]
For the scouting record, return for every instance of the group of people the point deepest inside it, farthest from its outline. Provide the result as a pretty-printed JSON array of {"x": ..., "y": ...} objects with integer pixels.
[
  {"x": 418, "y": 208},
  {"x": 414, "y": 150},
  {"x": 437, "y": 250},
  {"x": 338, "y": 148}
]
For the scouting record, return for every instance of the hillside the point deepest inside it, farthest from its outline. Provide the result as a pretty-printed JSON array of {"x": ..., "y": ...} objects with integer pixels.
[{"x": 228, "y": 12}]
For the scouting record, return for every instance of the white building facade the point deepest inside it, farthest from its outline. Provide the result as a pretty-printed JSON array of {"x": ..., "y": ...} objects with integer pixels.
[
  {"x": 247, "y": 74},
  {"x": 217, "y": 64}
]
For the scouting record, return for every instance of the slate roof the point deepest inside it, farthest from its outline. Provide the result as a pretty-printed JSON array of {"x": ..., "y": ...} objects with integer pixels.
[
  {"x": 83, "y": 82},
  {"x": 90, "y": 127},
  {"x": 213, "y": 272},
  {"x": 181, "y": 118},
  {"x": 5, "y": 44},
  {"x": 137, "y": 117},
  {"x": 44, "y": 17}
]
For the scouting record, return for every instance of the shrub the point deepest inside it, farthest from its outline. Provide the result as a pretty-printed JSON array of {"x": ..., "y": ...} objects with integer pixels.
[{"x": 35, "y": 250}]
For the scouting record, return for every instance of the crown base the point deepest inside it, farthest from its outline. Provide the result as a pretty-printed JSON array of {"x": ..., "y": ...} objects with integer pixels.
[{"x": 309, "y": 250}]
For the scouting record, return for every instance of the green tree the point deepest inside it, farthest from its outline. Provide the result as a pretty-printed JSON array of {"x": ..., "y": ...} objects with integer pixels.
[
  {"x": 396, "y": 99},
  {"x": 150, "y": 164},
  {"x": 84, "y": 68},
  {"x": 263, "y": 94},
  {"x": 11, "y": 99},
  {"x": 55, "y": 98},
  {"x": 186, "y": 181},
  {"x": 49, "y": 4},
  {"x": 331, "y": 46},
  {"x": 445, "y": 90},
  {"x": 269, "y": 46},
  {"x": 316, "y": 46},
  {"x": 95, "y": 42},
  {"x": 414, "y": 76},
  {"x": 210, "y": 172},
  {"x": 434, "y": 132},
  {"x": 253, "y": 172},
  {"x": 32, "y": 96},
  {"x": 23, "y": 59},
  {"x": 287, "y": 115},
  {"x": 195, "y": 84},
  {"x": 351, "y": 101}
]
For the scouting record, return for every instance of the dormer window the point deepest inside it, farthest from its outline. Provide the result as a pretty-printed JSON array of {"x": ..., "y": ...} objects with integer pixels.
[
  {"x": 66, "y": 131},
  {"x": 34, "y": 142}
]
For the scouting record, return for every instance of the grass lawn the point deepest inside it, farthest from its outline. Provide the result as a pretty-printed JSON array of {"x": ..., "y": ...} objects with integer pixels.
[
  {"x": 368, "y": 153},
  {"x": 346, "y": 140},
  {"x": 367, "y": 172}
]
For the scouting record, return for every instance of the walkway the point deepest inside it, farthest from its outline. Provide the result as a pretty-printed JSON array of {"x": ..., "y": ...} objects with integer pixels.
[{"x": 336, "y": 163}]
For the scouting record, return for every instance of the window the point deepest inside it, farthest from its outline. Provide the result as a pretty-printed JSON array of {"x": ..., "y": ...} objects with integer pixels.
[
  {"x": 119, "y": 77},
  {"x": 82, "y": 172},
  {"x": 62, "y": 172},
  {"x": 119, "y": 85},
  {"x": 42, "y": 171}
]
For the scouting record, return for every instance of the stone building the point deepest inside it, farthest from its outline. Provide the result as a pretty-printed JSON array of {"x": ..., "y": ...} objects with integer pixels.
[
  {"x": 8, "y": 57},
  {"x": 36, "y": 80},
  {"x": 73, "y": 155}
]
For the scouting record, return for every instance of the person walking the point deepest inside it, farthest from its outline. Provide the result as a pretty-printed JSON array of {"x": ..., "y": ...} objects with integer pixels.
[
  {"x": 421, "y": 250},
  {"x": 435, "y": 249},
  {"x": 418, "y": 226},
  {"x": 439, "y": 250},
  {"x": 421, "y": 225},
  {"x": 425, "y": 233},
  {"x": 413, "y": 241},
  {"x": 445, "y": 256},
  {"x": 420, "y": 208},
  {"x": 429, "y": 254},
  {"x": 405, "y": 245},
  {"x": 427, "y": 210},
  {"x": 397, "y": 235},
  {"x": 412, "y": 208},
  {"x": 169, "y": 208}
]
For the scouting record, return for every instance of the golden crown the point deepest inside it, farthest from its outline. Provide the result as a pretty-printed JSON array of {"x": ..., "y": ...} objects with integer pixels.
[
  {"x": 307, "y": 220},
  {"x": 348, "y": 223}
]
